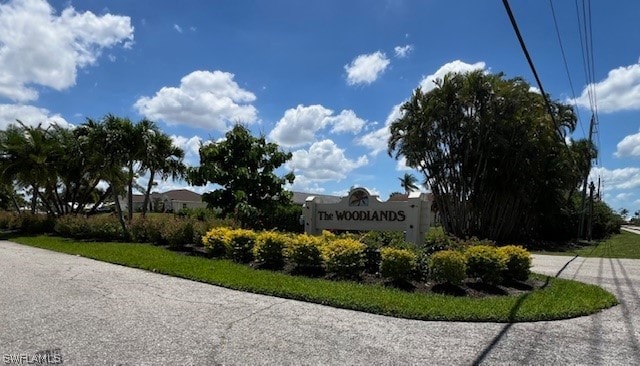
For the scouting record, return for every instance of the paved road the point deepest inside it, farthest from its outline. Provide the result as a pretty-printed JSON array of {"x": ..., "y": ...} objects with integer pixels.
[
  {"x": 94, "y": 313},
  {"x": 631, "y": 229}
]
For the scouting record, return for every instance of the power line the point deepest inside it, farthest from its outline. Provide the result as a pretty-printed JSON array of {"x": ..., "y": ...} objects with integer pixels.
[
  {"x": 566, "y": 66},
  {"x": 533, "y": 68}
]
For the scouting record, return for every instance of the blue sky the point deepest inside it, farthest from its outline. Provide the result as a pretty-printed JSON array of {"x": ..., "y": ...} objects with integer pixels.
[{"x": 323, "y": 79}]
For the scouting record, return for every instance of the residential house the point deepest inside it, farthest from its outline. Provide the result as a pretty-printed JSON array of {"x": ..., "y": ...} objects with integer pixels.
[{"x": 169, "y": 201}]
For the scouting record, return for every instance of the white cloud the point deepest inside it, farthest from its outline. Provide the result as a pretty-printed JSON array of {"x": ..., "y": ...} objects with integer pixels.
[
  {"x": 619, "y": 91},
  {"x": 629, "y": 146},
  {"x": 177, "y": 28},
  {"x": 38, "y": 47},
  {"x": 403, "y": 51},
  {"x": 365, "y": 69},
  {"x": 621, "y": 179},
  {"x": 533, "y": 89},
  {"x": 205, "y": 99},
  {"x": 299, "y": 125},
  {"x": 29, "y": 115},
  {"x": 377, "y": 140},
  {"x": 324, "y": 161},
  {"x": 428, "y": 83},
  {"x": 191, "y": 147}
]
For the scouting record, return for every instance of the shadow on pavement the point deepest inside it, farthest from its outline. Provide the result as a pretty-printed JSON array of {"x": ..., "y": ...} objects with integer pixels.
[{"x": 512, "y": 315}]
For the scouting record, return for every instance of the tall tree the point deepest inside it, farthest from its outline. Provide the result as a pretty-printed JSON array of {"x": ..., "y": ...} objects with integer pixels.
[
  {"x": 490, "y": 153},
  {"x": 408, "y": 183},
  {"x": 244, "y": 167},
  {"x": 26, "y": 152},
  {"x": 163, "y": 158}
]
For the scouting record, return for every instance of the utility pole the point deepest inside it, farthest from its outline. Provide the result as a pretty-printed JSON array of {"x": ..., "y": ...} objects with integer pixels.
[
  {"x": 592, "y": 187},
  {"x": 584, "y": 182}
]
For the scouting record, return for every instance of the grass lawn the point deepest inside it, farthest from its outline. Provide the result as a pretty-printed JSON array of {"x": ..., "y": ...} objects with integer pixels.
[
  {"x": 623, "y": 245},
  {"x": 560, "y": 299}
]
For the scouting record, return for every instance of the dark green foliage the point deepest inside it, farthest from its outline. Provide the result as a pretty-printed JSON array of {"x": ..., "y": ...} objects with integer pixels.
[
  {"x": 284, "y": 217},
  {"x": 244, "y": 166},
  {"x": 437, "y": 240},
  {"x": 494, "y": 160},
  {"x": 101, "y": 227},
  {"x": 146, "y": 230}
]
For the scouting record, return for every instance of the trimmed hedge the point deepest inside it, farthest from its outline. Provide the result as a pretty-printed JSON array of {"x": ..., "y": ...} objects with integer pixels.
[
  {"x": 304, "y": 254},
  {"x": 397, "y": 264},
  {"x": 269, "y": 249},
  {"x": 344, "y": 257},
  {"x": 486, "y": 263},
  {"x": 448, "y": 266},
  {"x": 518, "y": 262}
]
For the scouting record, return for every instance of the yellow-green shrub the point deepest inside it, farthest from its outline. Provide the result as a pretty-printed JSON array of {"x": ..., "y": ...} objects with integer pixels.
[
  {"x": 344, "y": 257},
  {"x": 397, "y": 264},
  {"x": 518, "y": 262},
  {"x": 269, "y": 249},
  {"x": 303, "y": 252},
  {"x": 485, "y": 262},
  {"x": 217, "y": 241},
  {"x": 242, "y": 242},
  {"x": 448, "y": 266}
]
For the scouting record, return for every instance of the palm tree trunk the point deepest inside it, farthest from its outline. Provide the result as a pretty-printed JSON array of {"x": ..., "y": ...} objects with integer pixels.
[
  {"x": 34, "y": 198},
  {"x": 148, "y": 193},
  {"x": 119, "y": 213},
  {"x": 130, "y": 193}
]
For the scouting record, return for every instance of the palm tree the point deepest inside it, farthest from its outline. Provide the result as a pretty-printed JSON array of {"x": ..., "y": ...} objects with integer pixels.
[
  {"x": 164, "y": 158},
  {"x": 408, "y": 183},
  {"x": 25, "y": 158}
]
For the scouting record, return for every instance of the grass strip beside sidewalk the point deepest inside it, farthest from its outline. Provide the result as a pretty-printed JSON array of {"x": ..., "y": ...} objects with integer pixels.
[{"x": 560, "y": 299}]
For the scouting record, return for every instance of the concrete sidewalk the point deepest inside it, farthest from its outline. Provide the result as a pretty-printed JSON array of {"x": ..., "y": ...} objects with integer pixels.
[{"x": 94, "y": 313}]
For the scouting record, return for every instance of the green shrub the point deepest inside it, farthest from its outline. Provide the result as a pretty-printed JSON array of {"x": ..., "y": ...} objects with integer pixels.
[
  {"x": 100, "y": 227},
  {"x": 269, "y": 249},
  {"x": 486, "y": 263},
  {"x": 518, "y": 262},
  {"x": 303, "y": 252},
  {"x": 32, "y": 223},
  {"x": 177, "y": 232},
  {"x": 72, "y": 226},
  {"x": 397, "y": 264},
  {"x": 242, "y": 242},
  {"x": 217, "y": 241},
  {"x": 437, "y": 240},
  {"x": 146, "y": 230},
  {"x": 344, "y": 257},
  {"x": 448, "y": 266},
  {"x": 284, "y": 217},
  {"x": 5, "y": 220}
]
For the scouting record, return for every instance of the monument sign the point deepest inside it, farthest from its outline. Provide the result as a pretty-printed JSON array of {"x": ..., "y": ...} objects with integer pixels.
[{"x": 362, "y": 211}]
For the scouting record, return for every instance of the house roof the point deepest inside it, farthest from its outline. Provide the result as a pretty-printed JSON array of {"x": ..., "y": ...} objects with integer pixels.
[
  {"x": 405, "y": 197},
  {"x": 183, "y": 195},
  {"x": 299, "y": 198}
]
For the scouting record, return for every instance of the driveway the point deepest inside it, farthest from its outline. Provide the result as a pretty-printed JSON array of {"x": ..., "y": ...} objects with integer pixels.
[{"x": 92, "y": 313}]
